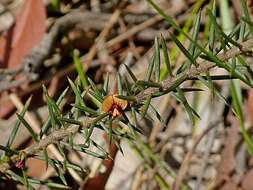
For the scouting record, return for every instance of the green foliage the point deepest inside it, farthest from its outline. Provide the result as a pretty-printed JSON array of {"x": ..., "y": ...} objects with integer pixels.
[
  {"x": 79, "y": 68},
  {"x": 17, "y": 124},
  {"x": 87, "y": 111}
]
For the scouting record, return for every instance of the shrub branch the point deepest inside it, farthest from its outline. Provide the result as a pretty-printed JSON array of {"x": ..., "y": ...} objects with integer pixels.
[
  {"x": 204, "y": 66},
  {"x": 166, "y": 86}
]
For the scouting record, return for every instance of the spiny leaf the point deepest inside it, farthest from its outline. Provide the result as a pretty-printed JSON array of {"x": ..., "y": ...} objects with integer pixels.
[
  {"x": 54, "y": 110},
  {"x": 106, "y": 84},
  {"x": 62, "y": 152},
  {"x": 119, "y": 84},
  {"x": 166, "y": 58},
  {"x": 150, "y": 69},
  {"x": 133, "y": 129},
  {"x": 148, "y": 83},
  {"x": 157, "y": 115},
  {"x": 55, "y": 185},
  {"x": 69, "y": 120},
  {"x": 28, "y": 127},
  {"x": 191, "y": 89},
  {"x": 100, "y": 117},
  {"x": 207, "y": 82},
  {"x": 48, "y": 183},
  {"x": 8, "y": 150},
  {"x": 86, "y": 109},
  {"x": 182, "y": 48},
  {"x": 46, "y": 125},
  {"x": 81, "y": 148},
  {"x": 244, "y": 12},
  {"x": 244, "y": 9},
  {"x": 79, "y": 68},
  {"x": 59, "y": 172},
  {"x": 187, "y": 26},
  {"x": 216, "y": 60},
  {"x": 233, "y": 66},
  {"x": 157, "y": 60},
  {"x": 131, "y": 73},
  {"x": 71, "y": 139},
  {"x": 76, "y": 91},
  {"x": 98, "y": 147},
  {"x": 95, "y": 89},
  {"x": 16, "y": 177},
  {"x": 128, "y": 88},
  {"x": 50, "y": 108},
  {"x": 17, "y": 124},
  {"x": 191, "y": 112},
  {"x": 214, "y": 77},
  {"x": 89, "y": 133},
  {"x": 250, "y": 24},
  {"x": 119, "y": 147},
  {"x": 195, "y": 33},
  {"x": 242, "y": 62},
  {"x": 59, "y": 163},
  {"x": 218, "y": 29},
  {"x": 146, "y": 106},
  {"x": 237, "y": 105},
  {"x": 173, "y": 87},
  {"x": 128, "y": 98},
  {"x": 133, "y": 112},
  {"x": 161, "y": 182},
  {"x": 97, "y": 98},
  {"x": 211, "y": 35},
  {"x": 26, "y": 183}
]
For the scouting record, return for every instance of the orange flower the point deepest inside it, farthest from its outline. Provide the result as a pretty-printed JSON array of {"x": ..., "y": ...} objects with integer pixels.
[{"x": 114, "y": 105}]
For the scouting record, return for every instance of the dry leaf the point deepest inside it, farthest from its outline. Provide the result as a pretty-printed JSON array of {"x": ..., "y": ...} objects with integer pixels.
[
  {"x": 18, "y": 41},
  {"x": 28, "y": 30}
]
